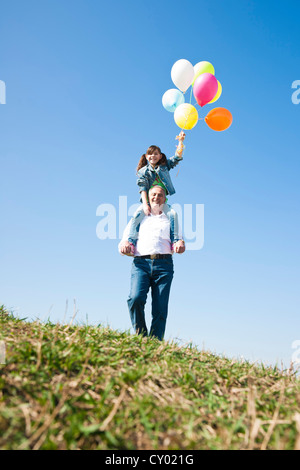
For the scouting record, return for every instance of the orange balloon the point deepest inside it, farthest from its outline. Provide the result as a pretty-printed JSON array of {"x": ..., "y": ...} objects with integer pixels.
[{"x": 219, "y": 119}]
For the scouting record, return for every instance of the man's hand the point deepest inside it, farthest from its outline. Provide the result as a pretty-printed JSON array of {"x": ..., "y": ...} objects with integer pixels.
[
  {"x": 126, "y": 248},
  {"x": 179, "y": 247}
]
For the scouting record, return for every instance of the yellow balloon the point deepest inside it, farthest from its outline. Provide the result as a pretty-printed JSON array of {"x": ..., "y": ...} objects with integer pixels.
[
  {"x": 203, "y": 67},
  {"x": 219, "y": 92},
  {"x": 186, "y": 116}
]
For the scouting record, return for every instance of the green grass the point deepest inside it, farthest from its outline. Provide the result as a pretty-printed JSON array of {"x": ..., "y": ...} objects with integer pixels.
[{"x": 87, "y": 387}]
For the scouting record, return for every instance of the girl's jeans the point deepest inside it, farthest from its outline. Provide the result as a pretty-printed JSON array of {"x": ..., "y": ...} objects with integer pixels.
[{"x": 157, "y": 274}]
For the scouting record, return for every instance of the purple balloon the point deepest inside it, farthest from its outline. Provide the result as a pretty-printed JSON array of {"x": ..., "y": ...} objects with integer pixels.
[{"x": 205, "y": 88}]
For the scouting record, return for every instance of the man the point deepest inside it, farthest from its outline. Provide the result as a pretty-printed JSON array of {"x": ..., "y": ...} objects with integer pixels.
[{"x": 152, "y": 266}]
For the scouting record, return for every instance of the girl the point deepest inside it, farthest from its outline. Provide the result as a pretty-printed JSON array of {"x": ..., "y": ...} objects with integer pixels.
[{"x": 153, "y": 168}]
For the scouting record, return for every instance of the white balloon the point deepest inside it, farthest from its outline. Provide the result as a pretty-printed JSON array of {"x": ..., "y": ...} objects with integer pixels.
[{"x": 182, "y": 74}]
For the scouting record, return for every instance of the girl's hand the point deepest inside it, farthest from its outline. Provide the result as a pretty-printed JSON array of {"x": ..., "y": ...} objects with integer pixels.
[
  {"x": 181, "y": 136},
  {"x": 180, "y": 146},
  {"x": 146, "y": 209}
]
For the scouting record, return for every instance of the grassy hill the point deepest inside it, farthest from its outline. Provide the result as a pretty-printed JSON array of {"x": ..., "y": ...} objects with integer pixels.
[{"x": 87, "y": 387}]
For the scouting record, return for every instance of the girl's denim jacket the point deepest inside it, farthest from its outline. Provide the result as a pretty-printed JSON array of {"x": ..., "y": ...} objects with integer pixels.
[{"x": 147, "y": 175}]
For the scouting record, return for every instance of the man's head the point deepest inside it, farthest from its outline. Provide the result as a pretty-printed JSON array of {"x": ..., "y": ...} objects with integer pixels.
[{"x": 157, "y": 197}]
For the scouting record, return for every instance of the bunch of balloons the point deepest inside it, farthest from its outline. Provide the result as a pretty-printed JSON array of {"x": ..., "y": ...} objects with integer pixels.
[{"x": 206, "y": 90}]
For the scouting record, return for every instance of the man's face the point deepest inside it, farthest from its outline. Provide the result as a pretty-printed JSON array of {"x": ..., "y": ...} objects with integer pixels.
[{"x": 157, "y": 196}]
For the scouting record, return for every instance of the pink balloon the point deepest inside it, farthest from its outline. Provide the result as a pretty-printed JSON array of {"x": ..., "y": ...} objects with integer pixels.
[{"x": 205, "y": 88}]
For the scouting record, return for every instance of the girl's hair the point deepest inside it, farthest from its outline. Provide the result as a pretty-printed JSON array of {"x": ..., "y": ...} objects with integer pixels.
[{"x": 143, "y": 160}]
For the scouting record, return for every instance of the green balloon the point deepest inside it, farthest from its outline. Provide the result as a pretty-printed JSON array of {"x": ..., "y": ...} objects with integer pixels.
[{"x": 203, "y": 67}]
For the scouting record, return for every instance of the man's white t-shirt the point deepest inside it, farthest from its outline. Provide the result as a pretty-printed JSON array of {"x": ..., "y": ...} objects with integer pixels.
[{"x": 154, "y": 236}]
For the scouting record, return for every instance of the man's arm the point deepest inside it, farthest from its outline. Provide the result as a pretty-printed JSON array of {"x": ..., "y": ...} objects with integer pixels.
[
  {"x": 178, "y": 242},
  {"x": 125, "y": 248}
]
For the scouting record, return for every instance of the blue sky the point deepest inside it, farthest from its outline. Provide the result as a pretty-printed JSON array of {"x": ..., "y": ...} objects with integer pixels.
[{"x": 84, "y": 82}]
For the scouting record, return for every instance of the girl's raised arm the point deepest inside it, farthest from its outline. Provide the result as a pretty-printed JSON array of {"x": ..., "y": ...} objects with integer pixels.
[{"x": 173, "y": 161}]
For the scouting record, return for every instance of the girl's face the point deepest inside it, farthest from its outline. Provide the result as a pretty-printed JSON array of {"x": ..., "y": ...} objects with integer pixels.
[{"x": 154, "y": 157}]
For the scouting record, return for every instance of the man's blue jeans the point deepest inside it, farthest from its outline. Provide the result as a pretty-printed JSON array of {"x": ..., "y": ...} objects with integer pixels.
[{"x": 157, "y": 274}]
